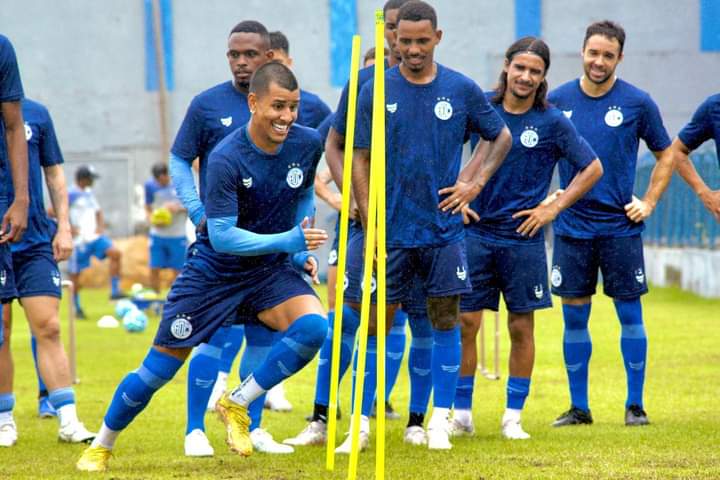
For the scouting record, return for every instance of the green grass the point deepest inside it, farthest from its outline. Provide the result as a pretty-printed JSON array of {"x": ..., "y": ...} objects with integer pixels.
[{"x": 681, "y": 398}]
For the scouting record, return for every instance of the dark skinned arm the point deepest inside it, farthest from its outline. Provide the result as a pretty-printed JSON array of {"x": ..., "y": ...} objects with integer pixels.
[
  {"x": 686, "y": 169},
  {"x": 14, "y": 222}
]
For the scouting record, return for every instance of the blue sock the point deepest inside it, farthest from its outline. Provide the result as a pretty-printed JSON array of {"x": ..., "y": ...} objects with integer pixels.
[
  {"x": 370, "y": 377},
  {"x": 577, "y": 349},
  {"x": 7, "y": 402},
  {"x": 419, "y": 362},
  {"x": 446, "y": 354},
  {"x": 134, "y": 392},
  {"x": 42, "y": 388},
  {"x": 202, "y": 373},
  {"x": 394, "y": 351},
  {"x": 517, "y": 391},
  {"x": 464, "y": 392},
  {"x": 233, "y": 342},
  {"x": 296, "y": 348},
  {"x": 76, "y": 301},
  {"x": 260, "y": 340},
  {"x": 115, "y": 285},
  {"x": 351, "y": 322},
  {"x": 633, "y": 344},
  {"x": 61, "y": 397}
]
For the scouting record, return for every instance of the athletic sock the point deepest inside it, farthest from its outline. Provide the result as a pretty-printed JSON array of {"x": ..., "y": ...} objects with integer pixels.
[
  {"x": 369, "y": 378},
  {"x": 63, "y": 401},
  {"x": 115, "y": 285},
  {"x": 76, "y": 301},
  {"x": 137, "y": 388},
  {"x": 7, "y": 404},
  {"x": 259, "y": 342},
  {"x": 464, "y": 392},
  {"x": 446, "y": 354},
  {"x": 420, "y": 362},
  {"x": 395, "y": 349},
  {"x": 231, "y": 347},
  {"x": 202, "y": 374},
  {"x": 320, "y": 413},
  {"x": 105, "y": 438},
  {"x": 351, "y": 322},
  {"x": 416, "y": 419},
  {"x": 41, "y": 385},
  {"x": 577, "y": 349},
  {"x": 633, "y": 344},
  {"x": 517, "y": 390}
]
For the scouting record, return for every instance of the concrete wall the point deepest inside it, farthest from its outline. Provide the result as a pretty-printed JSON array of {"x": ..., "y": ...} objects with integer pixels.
[{"x": 688, "y": 268}]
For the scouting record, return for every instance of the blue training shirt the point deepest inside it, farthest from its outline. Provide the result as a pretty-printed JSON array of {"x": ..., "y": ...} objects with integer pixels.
[
  {"x": 10, "y": 91},
  {"x": 425, "y": 129},
  {"x": 262, "y": 190},
  {"x": 324, "y": 128},
  {"x": 613, "y": 125},
  {"x": 539, "y": 139},
  {"x": 340, "y": 122},
  {"x": 312, "y": 110},
  {"x": 704, "y": 125}
]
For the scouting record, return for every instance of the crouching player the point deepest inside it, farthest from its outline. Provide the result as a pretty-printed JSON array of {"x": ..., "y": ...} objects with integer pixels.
[
  {"x": 259, "y": 196},
  {"x": 505, "y": 248}
]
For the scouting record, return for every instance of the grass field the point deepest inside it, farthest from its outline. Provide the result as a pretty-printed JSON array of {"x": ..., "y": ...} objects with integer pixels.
[{"x": 682, "y": 395}]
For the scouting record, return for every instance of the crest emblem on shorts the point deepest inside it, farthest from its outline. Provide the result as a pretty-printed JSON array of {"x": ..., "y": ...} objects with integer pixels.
[
  {"x": 373, "y": 285},
  {"x": 294, "y": 175},
  {"x": 614, "y": 116},
  {"x": 247, "y": 182},
  {"x": 332, "y": 257},
  {"x": 538, "y": 290},
  {"x": 556, "y": 276},
  {"x": 567, "y": 113},
  {"x": 56, "y": 278},
  {"x": 181, "y": 328},
  {"x": 346, "y": 282},
  {"x": 3, "y": 277},
  {"x": 640, "y": 275},
  {"x": 461, "y": 273},
  {"x": 28, "y": 132},
  {"x": 227, "y": 121},
  {"x": 443, "y": 108},
  {"x": 391, "y": 107},
  {"x": 529, "y": 137}
]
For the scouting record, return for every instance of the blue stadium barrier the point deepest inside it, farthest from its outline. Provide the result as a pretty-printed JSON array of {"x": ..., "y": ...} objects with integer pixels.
[{"x": 680, "y": 219}]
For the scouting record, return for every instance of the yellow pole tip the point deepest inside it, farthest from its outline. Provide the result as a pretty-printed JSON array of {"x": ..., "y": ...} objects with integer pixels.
[{"x": 379, "y": 17}]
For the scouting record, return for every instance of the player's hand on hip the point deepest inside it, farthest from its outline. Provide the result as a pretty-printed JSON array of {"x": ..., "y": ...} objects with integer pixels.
[
  {"x": 311, "y": 267},
  {"x": 711, "y": 200},
  {"x": 638, "y": 210},
  {"x": 14, "y": 222},
  {"x": 62, "y": 244},
  {"x": 536, "y": 219},
  {"x": 314, "y": 237},
  {"x": 458, "y": 196},
  {"x": 552, "y": 197},
  {"x": 469, "y": 215}
]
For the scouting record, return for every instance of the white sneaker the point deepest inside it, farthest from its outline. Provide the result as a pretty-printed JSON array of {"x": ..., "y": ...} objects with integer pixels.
[
  {"x": 512, "y": 430},
  {"x": 217, "y": 391},
  {"x": 460, "y": 429},
  {"x": 314, "y": 434},
  {"x": 265, "y": 443},
  {"x": 438, "y": 437},
  {"x": 8, "y": 434},
  {"x": 415, "y": 435},
  {"x": 75, "y": 433},
  {"x": 198, "y": 445},
  {"x": 276, "y": 401},
  {"x": 345, "y": 447}
]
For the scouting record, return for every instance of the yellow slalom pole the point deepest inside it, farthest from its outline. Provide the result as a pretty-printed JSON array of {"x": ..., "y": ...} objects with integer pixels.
[
  {"x": 342, "y": 253},
  {"x": 378, "y": 160}
]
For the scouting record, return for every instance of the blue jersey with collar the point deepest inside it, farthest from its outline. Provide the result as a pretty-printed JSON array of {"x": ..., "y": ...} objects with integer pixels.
[
  {"x": 43, "y": 151},
  {"x": 425, "y": 129},
  {"x": 262, "y": 190},
  {"x": 613, "y": 125},
  {"x": 10, "y": 91},
  {"x": 312, "y": 110},
  {"x": 540, "y": 138},
  {"x": 704, "y": 125}
]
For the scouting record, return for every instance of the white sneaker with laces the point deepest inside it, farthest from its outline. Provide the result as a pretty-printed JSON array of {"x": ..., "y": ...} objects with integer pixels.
[
  {"x": 8, "y": 434},
  {"x": 512, "y": 430},
  {"x": 364, "y": 442},
  {"x": 460, "y": 429},
  {"x": 198, "y": 445},
  {"x": 75, "y": 432},
  {"x": 438, "y": 437},
  {"x": 276, "y": 400},
  {"x": 265, "y": 443},
  {"x": 415, "y": 435},
  {"x": 314, "y": 434}
]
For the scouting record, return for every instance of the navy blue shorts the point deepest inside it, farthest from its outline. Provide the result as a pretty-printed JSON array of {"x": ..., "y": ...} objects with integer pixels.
[
  {"x": 199, "y": 303},
  {"x": 518, "y": 271},
  {"x": 620, "y": 260},
  {"x": 36, "y": 273},
  {"x": 7, "y": 276},
  {"x": 415, "y": 304},
  {"x": 333, "y": 255},
  {"x": 83, "y": 252},
  {"x": 167, "y": 252}
]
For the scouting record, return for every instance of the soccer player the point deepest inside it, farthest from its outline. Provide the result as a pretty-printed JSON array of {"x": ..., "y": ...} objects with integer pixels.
[
  {"x": 259, "y": 198},
  {"x": 430, "y": 111},
  {"x": 88, "y": 229},
  {"x": 704, "y": 125},
  {"x": 505, "y": 247},
  {"x": 37, "y": 282},
  {"x": 602, "y": 231},
  {"x": 167, "y": 218}
]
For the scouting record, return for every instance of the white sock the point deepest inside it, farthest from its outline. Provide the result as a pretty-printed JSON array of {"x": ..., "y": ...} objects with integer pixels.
[
  {"x": 439, "y": 417},
  {"x": 222, "y": 377},
  {"x": 248, "y": 391},
  {"x": 511, "y": 415},
  {"x": 67, "y": 414},
  {"x": 364, "y": 424},
  {"x": 105, "y": 437},
  {"x": 462, "y": 416},
  {"x": 6, "y": 417}
]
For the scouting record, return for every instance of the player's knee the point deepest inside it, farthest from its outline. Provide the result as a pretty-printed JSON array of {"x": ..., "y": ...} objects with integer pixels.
[
  {"x": 314, "y": 329},
  {"x": 114, "y": 254},
  {"x": 469, "y": 326},
  {"x": 520, "y": 328},
  {"x": 47, "y": 330},
  {"x": 444, "y": 311}
]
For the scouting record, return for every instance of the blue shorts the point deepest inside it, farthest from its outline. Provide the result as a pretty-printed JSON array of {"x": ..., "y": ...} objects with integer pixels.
[
  {"x": 518, "y": 271},
  {"x": 333, "y": 255},
  {"x": 415, "y": 304},
  {"x": 7, "y": 276},
  {"x": 620, "y": 260},
  {"x": 36, "y": 273},
  {"x": 199, "y": 303},
  {"x": 167, "y": 252},
  {"x": 80, "y": 258}
]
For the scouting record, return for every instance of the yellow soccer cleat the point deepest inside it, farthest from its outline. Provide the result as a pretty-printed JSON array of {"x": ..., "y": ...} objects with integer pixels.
[
  {"x": 237, "y": 424},
  {"x": 94, "y": 459}
]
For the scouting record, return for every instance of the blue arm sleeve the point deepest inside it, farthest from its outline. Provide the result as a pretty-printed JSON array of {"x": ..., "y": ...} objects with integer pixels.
[
  {"x": 306, "y": 204},
  {"x": 225, "y": 237},
  {"x": 299, "y": 259},
  {"x": 182, "y": 178}
]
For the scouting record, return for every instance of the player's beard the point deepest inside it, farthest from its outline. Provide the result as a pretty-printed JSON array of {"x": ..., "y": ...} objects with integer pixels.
[{"x": 608, "y": 75}]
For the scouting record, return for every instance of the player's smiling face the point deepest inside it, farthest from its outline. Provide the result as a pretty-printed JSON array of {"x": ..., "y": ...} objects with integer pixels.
[
  {"x": 416, "y": 43},
  {"x": 246, "y": 53},
  {"x": 274, "y": 111},
  {"x": 601, "y": 56},
  {"x": 525, "y": 73}
]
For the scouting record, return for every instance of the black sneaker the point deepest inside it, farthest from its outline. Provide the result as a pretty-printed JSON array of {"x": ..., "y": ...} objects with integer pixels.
[
  {"x": 574, "y": 416},
  {"x": 635, "y": 416},
  {"x": 338, "y": 416}
]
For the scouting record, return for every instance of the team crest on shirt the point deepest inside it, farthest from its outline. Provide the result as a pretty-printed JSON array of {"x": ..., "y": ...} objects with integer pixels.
[
  {"x": 391, "y": 107},
  {"x": 443, "y": 108},
  {"x": 529, "y": 137},
  {"x": 640, "y": 275},
  {"x": 28, "y": 132},
  {"x": 227, "y": 121},
  {"x": 567, "y": 113},
  {"x": 3, "y": 277},
  {"x": 247, "y": 182},
  {"x": 614, "y": 116},
  {"x": 461, "y": 273},
  {"x": 56, "y": 278},
  {"x": 294, "y": 175},
  {"x": 538, "y": 291},
  {"x": 181, "y": 328},
  {"x": 556, "y": 276}
]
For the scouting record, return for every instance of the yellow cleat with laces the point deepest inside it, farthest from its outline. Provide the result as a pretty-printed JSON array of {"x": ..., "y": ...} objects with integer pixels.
[
  {"x": 94, "y": 459},
  {"x": 237, "y": 423}
]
